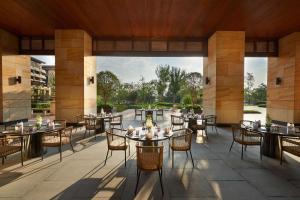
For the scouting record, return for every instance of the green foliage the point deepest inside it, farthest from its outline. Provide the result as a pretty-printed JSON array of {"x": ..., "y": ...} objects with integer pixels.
[
  {"x": 177, "y": 80},
  {"x": 164, "y": 104},
  {"x": 251, "y": 112},
  {"x": 107, "y": 84},
  {"x": 40, "y": 105},
  {"x": 187, "y": 99},
  {"x": 163, "y": 75},
  {"x": 193, "y": 85},
  {"x": 257, "y": 96}
]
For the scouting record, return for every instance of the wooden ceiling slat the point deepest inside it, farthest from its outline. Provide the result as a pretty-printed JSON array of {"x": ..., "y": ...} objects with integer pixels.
[{"x": 159, "y": 19}]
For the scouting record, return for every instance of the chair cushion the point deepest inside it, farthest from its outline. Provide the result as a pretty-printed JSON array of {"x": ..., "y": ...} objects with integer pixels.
[
  {"x": 115, "y": 123},
  {"x": 198, "y": 127},
  {"x": 248, "y": 140},
  {"x": 295, "y": 150},
  {"x": 51, "y": 141},
  {"x": 180, "y": 145},
  {"x": 291, "y": 145},
  {"x": 7, "y": 150},
  {"x": 177, "y": 123},
  {"x": 118, "y": 144}
]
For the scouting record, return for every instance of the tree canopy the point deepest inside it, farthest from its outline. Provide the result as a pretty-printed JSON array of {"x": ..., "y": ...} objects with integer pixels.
[{"x": 107, "y": 84}]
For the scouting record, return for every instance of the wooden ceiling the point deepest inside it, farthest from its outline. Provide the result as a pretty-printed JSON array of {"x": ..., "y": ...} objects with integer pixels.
[{"x": 155, "y": 19}]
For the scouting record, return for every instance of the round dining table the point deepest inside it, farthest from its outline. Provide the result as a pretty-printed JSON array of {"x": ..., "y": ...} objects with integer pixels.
[
  {"x": 139, "y": 135},
  {"x": 270, "y": 146}
]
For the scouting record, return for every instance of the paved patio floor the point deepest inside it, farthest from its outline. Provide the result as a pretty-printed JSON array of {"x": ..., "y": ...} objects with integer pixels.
[{"x": 218, "y": 174}]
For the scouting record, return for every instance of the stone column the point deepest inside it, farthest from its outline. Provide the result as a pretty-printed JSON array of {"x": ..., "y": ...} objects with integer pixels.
[
  {"x": 223, "y": 95},
  {"x": 15, "y": 97},
  {"x": 74, "y": 66},
  {"x": 283, "y": 97}
]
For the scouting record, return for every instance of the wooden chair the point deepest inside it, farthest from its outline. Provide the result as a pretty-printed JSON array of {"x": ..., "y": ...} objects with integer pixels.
[
  {"x": 182, "y": 141},
  {"x": 90, "y": 125},
  {"x": 137, "y": 113},
  {"x": 200, "y": 127},
  {"x": 246, "y": 123},
  {"x": 11, "y": 144},
  {"x": 245, "y": 138},
  {"x": 290, "y": 144},
  {"x": 149, "y": 158},
  {"x": 210, "y": 121},
  {"x": 60, "y": 122},
  {"x": 57, "y": 139},
  {"x": 159, "y": 113},
  {"x": 80, "y": 122},
  {"x": 116, "y": 141},
  {"x": 177, "y": 121},
  {"x": 116, "y": 121}
]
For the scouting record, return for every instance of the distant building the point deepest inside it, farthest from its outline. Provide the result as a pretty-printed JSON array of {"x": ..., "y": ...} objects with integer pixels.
[
  {"x": 50, "y": 72},
  {"x": 38, "y": 74}
]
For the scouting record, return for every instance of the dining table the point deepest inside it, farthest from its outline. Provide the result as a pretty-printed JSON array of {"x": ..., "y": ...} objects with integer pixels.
[
  {"x": 192, "y": 120},
  {"x": 32, "y": 137},
  {"x": 148, "y": 111},
  {"x": 271, "y": 138},
  {"x": 100, "y": 121},
  {"x": 139, "y": 135}
]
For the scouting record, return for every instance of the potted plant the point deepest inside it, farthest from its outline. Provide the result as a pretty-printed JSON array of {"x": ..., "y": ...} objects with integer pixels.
[
  {"x": 39, "y": 121},
  {"x": 268, "y": 122}
]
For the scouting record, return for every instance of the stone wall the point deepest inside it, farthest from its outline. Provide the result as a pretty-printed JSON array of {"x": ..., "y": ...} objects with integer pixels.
[
  {"x": 15, "y": 99},
  {"x": 224, "y": 95},
  {"x": 74, "y": 64},
  {"x": 284, "y": 98}
]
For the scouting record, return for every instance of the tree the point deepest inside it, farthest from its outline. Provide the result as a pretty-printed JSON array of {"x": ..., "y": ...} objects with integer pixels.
[
  {"x": 163, "y": 75},
  {"x": 177, "y": 79},
  {"x": 107, "y": 84},
  {"x": 249, "y": 86},
  {"x": 259, "y": 94},
  {"x": 146, "y": 92},
  {"x": 193, "y": 84}
]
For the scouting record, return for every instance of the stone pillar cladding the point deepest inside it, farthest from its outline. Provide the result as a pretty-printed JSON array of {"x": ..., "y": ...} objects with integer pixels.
[
  {"x": 74, "y": 66},
  {"x": 283, "y": 99},
  {"x": 15, "y": 98},
  {"x": 223, "y": 96}
]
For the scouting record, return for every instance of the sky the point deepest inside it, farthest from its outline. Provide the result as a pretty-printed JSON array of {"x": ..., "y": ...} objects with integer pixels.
[{"x": 131, "y": 69}]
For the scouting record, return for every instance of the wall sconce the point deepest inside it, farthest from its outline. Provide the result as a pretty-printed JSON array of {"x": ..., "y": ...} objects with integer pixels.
[
  {"x": 91, "y": 80},
  {"x": 278, "y": 81},
  {"x": 207, "y": 81},
  {"x": 18, "y": 79}
]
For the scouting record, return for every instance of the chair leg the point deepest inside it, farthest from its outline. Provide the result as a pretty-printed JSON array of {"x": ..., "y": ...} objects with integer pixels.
[
  {"x": 281, "y": 157},
  {"x": 206, "y": 134},
  {"x": 106, "y": 156},
  {"x": 169, "y": 146},
  {"x": 172, "y": 158},
  {"x": 192, "y": 158},
  {"x": 85, "y": 133},
  {"x": 60, "y": 153},
  {"x": 260, "y": 152},
  {"x": 72, "y": 146},
  {"x": 160, "y": 179},
  {"x": 42, "y": 152},
  {"x": 216, "y": 130},
  {"x": 22, "y": 156},
  {"x": 187, "y": 155},
  {"x": 2, "y": 160},
  {"x": 125, "y": 158},
  {"x": 231, "y": 146},
  {"x": 137, "y": 182},
  {"x": 242, "y": 152}
]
